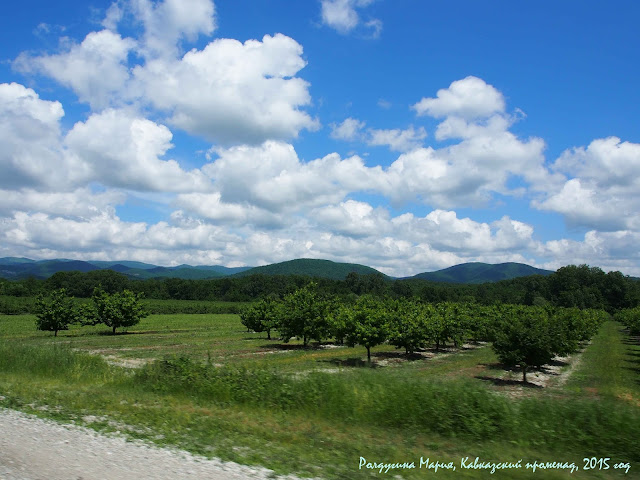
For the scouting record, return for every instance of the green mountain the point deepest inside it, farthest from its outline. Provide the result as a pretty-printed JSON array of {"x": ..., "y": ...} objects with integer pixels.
[
  {"x": 16, "y": 268},
  {"x": 476, "y": 272},
  {"x": 312, "y": 268},
  {"x": 186, "y": 273},
  {"x": 42, "y": 268},
  {"x": 15, "y": 260},
  {"x": 119, "y": 264}
]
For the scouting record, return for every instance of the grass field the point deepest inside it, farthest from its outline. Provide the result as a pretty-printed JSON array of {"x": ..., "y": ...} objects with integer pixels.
[{"x": 207, "y": 385}]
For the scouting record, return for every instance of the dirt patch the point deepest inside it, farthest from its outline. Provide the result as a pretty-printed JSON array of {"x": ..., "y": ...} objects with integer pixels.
[
  {"x": 126, "y": 362},
  {"x": 553, "y": 375},
  {"x": 627, "y": 397},
  {"x": 387, "y": 359}
]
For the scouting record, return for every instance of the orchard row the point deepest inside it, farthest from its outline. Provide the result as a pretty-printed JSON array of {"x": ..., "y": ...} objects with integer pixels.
[
  {"x": 630, "y": 318},
  {"x": 522, "y": 336}
]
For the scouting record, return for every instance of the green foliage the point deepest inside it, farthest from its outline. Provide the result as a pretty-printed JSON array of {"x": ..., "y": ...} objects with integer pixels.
[
  {"x": 55, "y": 313},
  {"x": 630, "y": 318},
  {"x": 367, "y": 324},
  {"x": 313, "y": 268},
  {"x": 522, "y": 337},
  {"x": 477, "y": 272},
  {"x": 82, "y": 284},
  {"x": 17, "y": 305},
  {"x": 408, "y": 325},
  {"x": 51, "y": 361},
  {"x": 566, "y": 329},
  {"x": 263, "y": 316},
  {"x": 581, "y": 286},
  {"x": 450, "y": 323},
  {"x": 119, "y": 310},
  {"x": 273, "y": 411},
  {"x": 456, "y": 409},
  {"x": 305, "y": 314},
  {"x": 531, "y": 336}
]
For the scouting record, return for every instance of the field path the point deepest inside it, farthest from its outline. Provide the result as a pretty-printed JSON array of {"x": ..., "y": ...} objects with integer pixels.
[{"x": 35, "y": 449}]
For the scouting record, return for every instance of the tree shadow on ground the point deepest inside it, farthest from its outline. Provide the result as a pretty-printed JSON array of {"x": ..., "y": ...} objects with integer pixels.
[
  {"x": 636, "y": 370},
  {"x": 555, "y": 363},
  {"x": 633, "y": 358},
  {"x": 289, "y": 346},
  {"x": 495, "y": 366},
  {"x": 156, "y": 332},
  {"x": 109, "y": 333},
  {"x": 351, "y": 363},
  {"x": 411, "y": 357},
  {"x": 500, "y": 382}
]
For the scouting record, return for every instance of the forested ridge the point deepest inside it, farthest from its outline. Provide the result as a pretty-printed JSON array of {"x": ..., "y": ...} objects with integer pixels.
[{"x": 571, "y": 286}]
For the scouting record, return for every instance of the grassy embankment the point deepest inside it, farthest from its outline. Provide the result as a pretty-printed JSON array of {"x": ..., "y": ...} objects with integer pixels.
[{"x": 271, "y": 403}]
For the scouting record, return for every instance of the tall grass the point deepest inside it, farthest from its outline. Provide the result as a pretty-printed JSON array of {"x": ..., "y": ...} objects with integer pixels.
[
  {"x": 52, "y": 361},
  {"x": 449, "y": 408}
]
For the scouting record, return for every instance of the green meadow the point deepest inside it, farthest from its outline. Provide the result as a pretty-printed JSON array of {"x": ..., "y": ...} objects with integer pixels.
[{"x": 201, "y": 382}]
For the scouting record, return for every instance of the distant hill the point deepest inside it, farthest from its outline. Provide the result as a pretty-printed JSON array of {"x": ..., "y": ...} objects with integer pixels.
[
  {"x": 221, "y": 269},
  {"x": 42, "y": 268},
  {"x": 312, "y": 268},
  {"x": 121, "y": 264},
  {"x": 186, "y": 273},
  {"x": 14, "y": 268},
  {"x": 15, "y": 260},
  {"x": 476, "y": 272}
]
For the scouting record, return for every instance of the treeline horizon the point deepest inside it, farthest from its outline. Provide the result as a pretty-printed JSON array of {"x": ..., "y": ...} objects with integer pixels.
[{"x": 578, "y": 286}]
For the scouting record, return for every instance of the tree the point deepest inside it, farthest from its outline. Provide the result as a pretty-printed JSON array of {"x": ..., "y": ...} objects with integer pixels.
[
  {"x": 56, "y": 313},
  {"x": 367, "y": 324},
  {"x": 407, "y": 325},
  {"x": 306, "y": 315},
  {"x": 630, "y": 318},
  {"x": 262, "y": 317},
  {"x": 454, "y": 319},
  {"x": 117, "y": 310},
  {"x": 522, "y": 338},
  {"x": 338, "y": 321}
]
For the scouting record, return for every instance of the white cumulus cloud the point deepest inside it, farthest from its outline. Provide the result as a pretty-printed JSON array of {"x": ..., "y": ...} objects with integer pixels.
[
  {"x": 343, "y": 16},
  {"x": 32, "y": 154},
  {"x": 396, "y": 139},
  {"x": 602, "y": 192},
  {"x": 232, "y": 92},
  {"x": 124, "y": 150},
  {"x": 468, "y": 98},
  {"x": 350, "y": 129},
  {"x": 96, "y": 69},
  {"x": 168, "y": 22}
]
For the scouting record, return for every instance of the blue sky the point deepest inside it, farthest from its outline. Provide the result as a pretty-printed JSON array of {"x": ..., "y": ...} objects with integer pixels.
[{"x": 406, "y": 135}]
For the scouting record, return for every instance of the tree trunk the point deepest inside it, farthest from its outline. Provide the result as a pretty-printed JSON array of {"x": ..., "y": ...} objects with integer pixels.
[
  {"x": 268, "y": 334},
  {"x": 524, "y": 374},
  {"x": 369, "y": 354},
  {"x": 114, "y": 330},
  {"x": 55, "y": 333}
]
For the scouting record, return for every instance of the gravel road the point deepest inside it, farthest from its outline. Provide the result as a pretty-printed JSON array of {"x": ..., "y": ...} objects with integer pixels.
[{"x": 35, "y": 449}]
